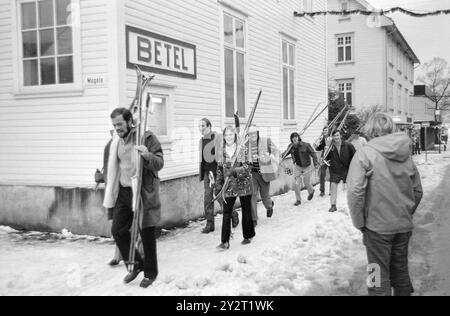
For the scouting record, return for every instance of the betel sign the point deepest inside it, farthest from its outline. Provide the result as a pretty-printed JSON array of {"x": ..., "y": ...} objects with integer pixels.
[{"x": 160, "y": 54}]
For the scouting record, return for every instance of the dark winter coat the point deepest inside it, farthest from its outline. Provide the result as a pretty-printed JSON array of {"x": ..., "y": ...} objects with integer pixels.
[
  {"x": 207, "y": 145},
  {"x": 150, "y": 179},
  {"x": 340, "y": 162},
  {"x": 240, "y": 183},
  {"x": 301, "y": 154}
]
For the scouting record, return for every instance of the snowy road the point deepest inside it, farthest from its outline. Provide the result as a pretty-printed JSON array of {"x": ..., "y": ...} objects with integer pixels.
[{"x": 300, "y": 251}]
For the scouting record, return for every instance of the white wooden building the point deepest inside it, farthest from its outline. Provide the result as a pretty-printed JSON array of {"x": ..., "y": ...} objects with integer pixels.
[
  {"x": 369, "y": 60},
  {"x": 66, "y": 64}
]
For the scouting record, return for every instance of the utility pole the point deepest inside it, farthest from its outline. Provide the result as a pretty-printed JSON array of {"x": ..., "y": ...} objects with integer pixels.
[{"x": 437, "y": 116}]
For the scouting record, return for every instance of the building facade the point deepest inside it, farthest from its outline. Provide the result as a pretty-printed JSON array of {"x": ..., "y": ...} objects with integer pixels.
[
  {"x": 66, "y": 64},
  {"x": 424, "y": 116},
  {"x": 369, "y": 61}
]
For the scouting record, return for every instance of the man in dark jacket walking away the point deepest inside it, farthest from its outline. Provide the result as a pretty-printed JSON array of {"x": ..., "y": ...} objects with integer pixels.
[
  {"x": 118, "y": 194},
  {"x": 339, "y": 160},
  {"x": 207, "y": 170},
  {"x": 301, "y": 154},
  {"x": 384, "y": 191}
]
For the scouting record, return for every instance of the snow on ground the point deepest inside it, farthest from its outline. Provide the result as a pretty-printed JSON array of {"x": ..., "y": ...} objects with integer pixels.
[{"x": 300, "y": 251}]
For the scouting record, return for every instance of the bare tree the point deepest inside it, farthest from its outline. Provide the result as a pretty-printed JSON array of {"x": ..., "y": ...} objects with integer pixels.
[{"x": 437, "y": 78}]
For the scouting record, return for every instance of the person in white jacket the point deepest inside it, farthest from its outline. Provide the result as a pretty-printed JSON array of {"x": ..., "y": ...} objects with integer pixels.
[{"x": 384, "y": 191}]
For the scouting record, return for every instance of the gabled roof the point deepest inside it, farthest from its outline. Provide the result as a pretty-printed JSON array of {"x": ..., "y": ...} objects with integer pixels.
[
  {"x": 365, "y": 4},
  {"x": 394, "y": 31},
  {"x": 399, "y": 38}
]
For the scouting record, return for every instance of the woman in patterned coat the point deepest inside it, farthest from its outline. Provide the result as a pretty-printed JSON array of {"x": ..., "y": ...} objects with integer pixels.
[{"x": 240, "y": 185}]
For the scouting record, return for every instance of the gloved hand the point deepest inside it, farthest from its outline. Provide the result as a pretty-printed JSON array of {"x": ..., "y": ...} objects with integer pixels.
[{"x": 99, "y": 177}]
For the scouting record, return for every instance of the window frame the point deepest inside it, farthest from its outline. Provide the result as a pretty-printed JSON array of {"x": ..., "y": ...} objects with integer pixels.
[
  {"x": 391, "y": 95},
  {"x": 407, "y": 102},
  {"x": 289, "y": 43},
  {"x": 66, "y": 89},
  {"x": 244, "y": 18},
  {"x": 345, "y": 82},
  {"x": 168, "y": 93},
  {"x": 352, "y": 45},
  {"x": 390, "y": 52}
]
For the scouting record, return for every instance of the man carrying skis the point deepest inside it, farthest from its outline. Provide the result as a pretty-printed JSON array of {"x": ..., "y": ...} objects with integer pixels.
[
  {"x": 118, "y": 194},
  {"x": 263, "y": 152}
]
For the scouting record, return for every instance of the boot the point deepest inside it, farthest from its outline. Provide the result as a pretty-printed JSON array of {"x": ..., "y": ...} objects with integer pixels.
[
  {"x": 147, "y": 282},
  {"x": 403, "y": 292},
  {"x": 235, "y": 219},
  {"x": 114, "y": 262},
  {"x": 132, "y": 276},
  {"x": 297, "y": 203},
  {"x": 333, "y": 209},
  {"x": 310, "y": 197},
  {"x": 223, "y": 246},
  {"x": 209, "y": 228},
  {"x": 270, "y": 210},
  {"x": 246, "y": 241}
]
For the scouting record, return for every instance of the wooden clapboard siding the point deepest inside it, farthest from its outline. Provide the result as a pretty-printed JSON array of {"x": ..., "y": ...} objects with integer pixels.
[
  {"x": 55, "y": 140},
  {"x": 59, "y": 140},
  {"x": 199, "y": 23}
]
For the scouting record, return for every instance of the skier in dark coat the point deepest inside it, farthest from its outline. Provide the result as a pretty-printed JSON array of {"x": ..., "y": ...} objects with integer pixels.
[
  {"x": 339, "y": 160},
  {"x": 207, "y": 170},
  {"x": 119, "y": 195}
]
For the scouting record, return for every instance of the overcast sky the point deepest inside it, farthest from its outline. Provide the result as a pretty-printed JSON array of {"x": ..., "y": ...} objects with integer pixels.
[{"x": 430, "y": 36}]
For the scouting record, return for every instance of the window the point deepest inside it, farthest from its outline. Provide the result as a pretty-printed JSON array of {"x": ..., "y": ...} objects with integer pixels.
[
  {"x": 344, "y": 6},
  {"x": 235, "y": 54},
  {"x": 399, "y": 59},
  {"x": 405, "y": 67},
  {"x": 288, "y": 66},
  {"x": 157, "y": 120},
  {"x": 407, "y": 102},
  {"x": 391, "y": 95},
  {"x": 46, "y": 46},
  {"x": 404, "y": 101},
  {"x": 345, "y": 48},
  {"x": 399, "y": 99},
  {"x": 307, "y": 5},
  {"x": 390, "y": 52},
  {"x": 346, "y": 91}
]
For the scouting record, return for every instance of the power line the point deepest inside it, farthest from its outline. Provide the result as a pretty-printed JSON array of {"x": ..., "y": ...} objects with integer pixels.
[{"x": 373, "y": 12}]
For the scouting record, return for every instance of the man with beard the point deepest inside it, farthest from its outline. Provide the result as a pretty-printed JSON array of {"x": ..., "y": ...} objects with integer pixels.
[{"x": 119, "y": 195}]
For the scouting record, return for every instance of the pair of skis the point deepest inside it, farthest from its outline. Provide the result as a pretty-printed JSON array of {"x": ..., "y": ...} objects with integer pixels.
[
  {"x": 141, "y": 120},
  {"x": 242, "y": 142},
  {"x": 345, "y": 112},
  {"x": 308, "y": 124}
]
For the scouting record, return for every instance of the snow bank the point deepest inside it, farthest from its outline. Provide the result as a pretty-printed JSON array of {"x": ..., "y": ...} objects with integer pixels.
[{"x": 300, "y": 251}]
